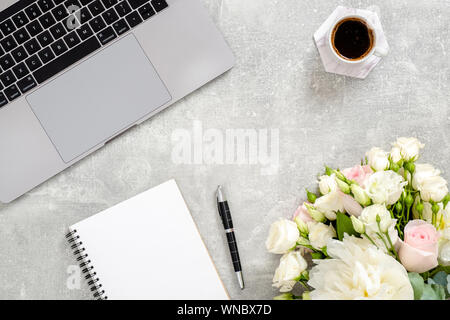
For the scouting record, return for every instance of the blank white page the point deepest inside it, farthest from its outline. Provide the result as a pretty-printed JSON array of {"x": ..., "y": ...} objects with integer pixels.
[{"x": 149, "y": 247}]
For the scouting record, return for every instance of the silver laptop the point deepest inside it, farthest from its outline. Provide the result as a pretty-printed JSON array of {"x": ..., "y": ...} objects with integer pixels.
[{"x": 77, "y": 73}]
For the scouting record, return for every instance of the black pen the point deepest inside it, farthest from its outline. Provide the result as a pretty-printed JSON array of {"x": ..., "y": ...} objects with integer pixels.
[{"x": 225, "y": 214}]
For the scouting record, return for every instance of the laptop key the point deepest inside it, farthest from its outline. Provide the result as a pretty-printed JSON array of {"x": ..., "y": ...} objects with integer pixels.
[
  {"x": 72, "y": 39},
  {"x": 123, "y": 8},
  {"x": 3, "y": 100},
  {"x": 45, "y": 5},
  {"x": 7, "y": 78},
  {"x": 159, "y": 5},
  {"x": 46, "y": 55},
  {"x": 59, "y": 47},
  {"x": 97, "y": 24},
  {"x": 85, "y": 15},
  {"x": 8, "y": 43},
  {"x": 106, "y": 35},
  {"x": 84, "y": 32},
  {"x": 26, "y": 84},
  {"x": 67, "y": 59},
  {"x": 96, "y": 8},
  {"x": 45, "y": 38},
  {"x": 109, "y": 3},
  {"x": 47, "y": 20},
  {"x": 137, "y": 3},
  {"x": 146, "y": 11},
  {"x": 12, "y": 92},
  {"x": 33, "y": 11},
  {"x": 133, "y": 19},
  {"x": 60, "y": 12},
  {"x": 121, "y": 27},
  {"x": 110, "y": 16},
  {"x": 33, "y": 62},
  {"x": 32, "y": 46},
  {"x": 21, "y": 36},
  {"x": 58, "y": 31},
  {"x": 20, "y": 70},
  {"x": 34, "y": 28},
  {"x": 20, "y": 19},
  {"x": 19, "y": 54},
  {"x": 7, "y": 27},
  {"x": 6, "y": 61},
  {"x": 85, "y": 2}
]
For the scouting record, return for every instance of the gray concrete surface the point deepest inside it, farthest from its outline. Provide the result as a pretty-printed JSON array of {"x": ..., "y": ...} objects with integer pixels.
[{"x": 278, "y": 83}]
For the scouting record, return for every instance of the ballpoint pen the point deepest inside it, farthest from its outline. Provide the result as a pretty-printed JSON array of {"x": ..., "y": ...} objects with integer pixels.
[{"x": 225, "y": 214}]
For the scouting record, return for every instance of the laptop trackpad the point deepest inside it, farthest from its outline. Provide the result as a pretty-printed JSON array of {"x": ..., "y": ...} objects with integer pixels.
[{"x": 102, "y": 96}]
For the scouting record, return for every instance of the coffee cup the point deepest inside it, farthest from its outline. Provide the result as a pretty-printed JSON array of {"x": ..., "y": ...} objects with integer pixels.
[{"x": 353, "y": 39}]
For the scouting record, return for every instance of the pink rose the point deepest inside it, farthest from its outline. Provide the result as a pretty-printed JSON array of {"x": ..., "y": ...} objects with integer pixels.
[
  {"x": 359, "y": 174},
  {"x": 419, "y": 251},
  {"x": 303, "y": 213},
  {"x": 351, "y": 206}
]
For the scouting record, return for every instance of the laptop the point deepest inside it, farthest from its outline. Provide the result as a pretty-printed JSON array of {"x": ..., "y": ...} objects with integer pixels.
[{"x": 76, "y": 74}]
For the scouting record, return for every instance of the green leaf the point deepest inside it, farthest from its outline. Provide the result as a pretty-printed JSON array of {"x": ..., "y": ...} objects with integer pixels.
[
  {"x": 440, "y": 278},
  {"x": 440, "y": 291},
  {"x": 446, "y": 269},
  {"x": 317, "y": 255},
  {"x": 448, "y": 285},
  {"x": 417, "y": 283},
  {"x": 433, "y": 292},
  {"x": 429, "y": 293},
  {"x": 344, "y": 225}
]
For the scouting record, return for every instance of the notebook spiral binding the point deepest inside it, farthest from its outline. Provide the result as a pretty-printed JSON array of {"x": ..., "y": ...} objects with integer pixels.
[{"x": 86, "y": 266}]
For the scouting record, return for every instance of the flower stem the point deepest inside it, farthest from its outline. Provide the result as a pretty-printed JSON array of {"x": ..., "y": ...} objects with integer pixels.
[
  {"x": 370, "y": 239},
  {"x": 392, "y": 246},
  {"x": 384, "y": 241}
]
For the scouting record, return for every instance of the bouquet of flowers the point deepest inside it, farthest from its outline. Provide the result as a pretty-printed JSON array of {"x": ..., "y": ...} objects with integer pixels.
[{"x": 379, "y": 230}]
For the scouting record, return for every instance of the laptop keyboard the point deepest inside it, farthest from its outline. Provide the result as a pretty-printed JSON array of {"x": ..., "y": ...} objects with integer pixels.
[{"x": 40, "y": 38}]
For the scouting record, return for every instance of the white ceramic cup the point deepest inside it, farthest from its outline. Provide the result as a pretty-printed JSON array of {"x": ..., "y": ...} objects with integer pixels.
[{"x": 376, "y": 49}]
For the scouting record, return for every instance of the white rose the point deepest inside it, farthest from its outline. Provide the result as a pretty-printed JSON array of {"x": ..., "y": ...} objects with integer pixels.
[
  {"x": 385, "y": 187},
  {"x": 433, "y": 189},
  {"x": 444, "y": 254},
  {"x": 327, "y": 183},
  {"x": 369, "y": 218},
  {"x": 409, "y": 148},
  {"x": 445, "y": 233},
  {"x": 291, "y": 266},
  {"x": 319, "y": 234},
  {"x": 423, "y": 172},
  {"x": 329, "y": 204},
  {"x": 428, "y": 181},
  {"x": 378, "y": 159},
  {"x": 356, "y": 271},
  {"x": 396, "y": 155},
  {"x": 283, "y": 236}
]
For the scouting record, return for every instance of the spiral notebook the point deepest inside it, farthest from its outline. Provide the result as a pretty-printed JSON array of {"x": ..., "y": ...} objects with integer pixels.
[{"x": 147, "y": 247}]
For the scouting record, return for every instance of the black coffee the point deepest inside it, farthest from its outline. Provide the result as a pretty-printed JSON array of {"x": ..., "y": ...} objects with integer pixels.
[{"x": 352, "y": 39}]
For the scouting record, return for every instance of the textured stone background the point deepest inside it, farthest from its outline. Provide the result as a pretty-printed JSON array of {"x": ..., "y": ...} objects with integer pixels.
[{"x": 278, "y": 83}]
